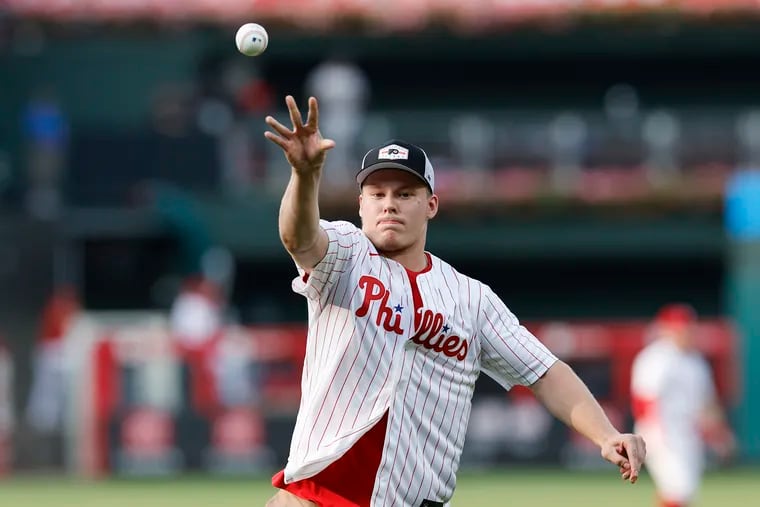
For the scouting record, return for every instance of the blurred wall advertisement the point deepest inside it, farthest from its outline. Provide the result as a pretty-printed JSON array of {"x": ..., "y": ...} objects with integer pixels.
[{"x": 143, "y": 442}]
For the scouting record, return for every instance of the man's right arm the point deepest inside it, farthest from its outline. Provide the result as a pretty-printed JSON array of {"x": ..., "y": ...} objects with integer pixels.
[
  {"x": 300, "y": 232},
  {"x": 305, "y": 150}
]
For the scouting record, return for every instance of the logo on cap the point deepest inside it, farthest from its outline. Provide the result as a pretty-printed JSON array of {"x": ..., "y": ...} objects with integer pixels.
[{"x": 393, "y": 152}]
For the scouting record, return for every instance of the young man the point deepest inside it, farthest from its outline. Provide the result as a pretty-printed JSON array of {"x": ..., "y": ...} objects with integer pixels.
[
  {"x": 397, "y": 339},
  {"x": 676, "y": 408}
]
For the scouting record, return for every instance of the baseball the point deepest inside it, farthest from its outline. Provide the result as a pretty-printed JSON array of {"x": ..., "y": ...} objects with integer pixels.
[{"x": 251, "y": 39}]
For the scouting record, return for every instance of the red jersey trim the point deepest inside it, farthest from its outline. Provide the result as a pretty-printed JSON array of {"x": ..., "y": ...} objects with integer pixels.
[
  {"x": 416, "y": 296},
  {"x": 350, "y": 480}
]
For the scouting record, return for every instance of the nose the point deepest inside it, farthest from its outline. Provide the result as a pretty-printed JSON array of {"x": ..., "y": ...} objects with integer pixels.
[{"x": 389, "y": 204}]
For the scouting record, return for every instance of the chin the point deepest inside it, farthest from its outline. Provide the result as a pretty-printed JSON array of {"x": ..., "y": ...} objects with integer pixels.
[{"x": 388, "y": 244}]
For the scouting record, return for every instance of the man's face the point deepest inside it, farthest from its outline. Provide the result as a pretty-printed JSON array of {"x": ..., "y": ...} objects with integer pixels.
[
  {"x": 682, "y": 335},
  {"x": 395, "y": 207}
]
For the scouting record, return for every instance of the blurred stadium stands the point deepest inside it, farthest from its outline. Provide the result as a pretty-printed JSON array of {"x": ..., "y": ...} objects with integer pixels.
[
  {"x": 393, "y": 14},
  {"x": 582, "y": 149}
]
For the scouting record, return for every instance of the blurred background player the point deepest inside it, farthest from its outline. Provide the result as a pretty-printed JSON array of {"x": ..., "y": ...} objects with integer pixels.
[
  {"x": 676, "y": 408},
  {"x": 344, "y": 92},
  {"x": 196, "y": 314},
  {"x": 47, "y": 397}
]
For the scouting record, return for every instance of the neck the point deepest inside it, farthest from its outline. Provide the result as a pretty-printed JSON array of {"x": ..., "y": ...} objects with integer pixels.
[
  {"x": 412, "y": 258},
  {"x": 413, "y": 261}
]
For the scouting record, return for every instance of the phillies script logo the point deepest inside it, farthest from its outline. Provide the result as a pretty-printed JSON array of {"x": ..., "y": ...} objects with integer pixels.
[{"x": 428, "y": 324}]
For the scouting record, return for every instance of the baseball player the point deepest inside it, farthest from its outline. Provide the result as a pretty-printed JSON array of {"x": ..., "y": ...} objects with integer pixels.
[
  {"x": 675, "y": 407},
  {"x": 396, "y": 340}
]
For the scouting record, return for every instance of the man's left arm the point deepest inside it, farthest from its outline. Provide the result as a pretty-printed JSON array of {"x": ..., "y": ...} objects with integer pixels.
[
  {"x": 565, "y": 395},
  {"x": 713, "y": 423}
]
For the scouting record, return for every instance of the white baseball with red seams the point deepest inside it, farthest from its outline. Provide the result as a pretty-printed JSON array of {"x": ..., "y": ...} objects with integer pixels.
[
  {"x": 251, "y": 39},
  {"x": 383, "y": 340}
]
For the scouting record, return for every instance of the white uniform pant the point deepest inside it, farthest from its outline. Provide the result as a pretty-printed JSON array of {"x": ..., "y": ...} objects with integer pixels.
[
  {"x": 676, "y": 464},
  {"x": 45, "y": 407}
]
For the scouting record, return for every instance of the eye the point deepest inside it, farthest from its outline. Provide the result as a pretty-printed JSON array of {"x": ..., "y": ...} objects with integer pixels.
[{"x": 405, "y": 195}]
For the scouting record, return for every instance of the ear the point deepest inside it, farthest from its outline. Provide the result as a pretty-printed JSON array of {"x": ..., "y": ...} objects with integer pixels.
[
  {"x": 360, "y": 205},
  {"x": 432, "y": 206}
]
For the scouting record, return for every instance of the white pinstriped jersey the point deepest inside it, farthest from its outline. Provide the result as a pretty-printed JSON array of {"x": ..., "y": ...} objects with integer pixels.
[
  {"x": 680, "y": 384},
  {"x": 383, "y": 339}
]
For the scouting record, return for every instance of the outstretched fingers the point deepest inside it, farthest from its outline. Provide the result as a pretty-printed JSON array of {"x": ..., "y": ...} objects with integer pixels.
[
  {"x": 278, "y": 127},
  {"x": 279, "y": 141},
  {"x": 303, "y": 144},
  {"x": 283, "y": 134},
  {"x": 327, "y": 144},
  {"x": 295, "y": 113},
  {"x": 312, "y": 119}
]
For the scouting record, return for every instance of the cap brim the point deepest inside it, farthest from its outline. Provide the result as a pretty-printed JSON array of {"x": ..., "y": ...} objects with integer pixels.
[{"x": 362, "y": 175}]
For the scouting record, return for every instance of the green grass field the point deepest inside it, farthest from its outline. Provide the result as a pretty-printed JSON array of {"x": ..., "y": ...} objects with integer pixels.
[{"x": 512, "y": 487}]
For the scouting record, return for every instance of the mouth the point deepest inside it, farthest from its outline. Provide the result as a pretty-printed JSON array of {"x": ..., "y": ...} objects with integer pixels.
[{"x": 389, "y": 221}]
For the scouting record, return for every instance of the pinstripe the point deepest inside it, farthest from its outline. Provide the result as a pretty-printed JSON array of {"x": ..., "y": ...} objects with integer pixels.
[
  {"x": 427, "y": 437},
  {"x": 342, "y": 304},
  {"x": 441, "y": 303}
]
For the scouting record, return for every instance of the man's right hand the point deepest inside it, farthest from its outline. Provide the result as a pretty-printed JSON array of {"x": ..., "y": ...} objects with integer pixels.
[{"x": 304, "y": 147}]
